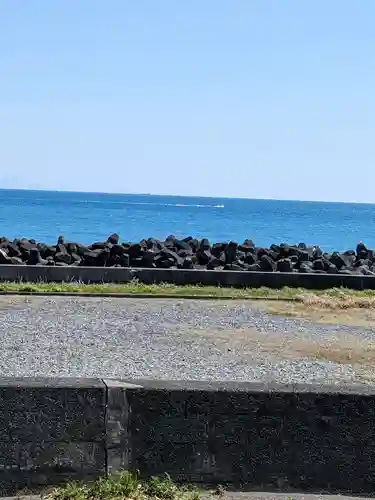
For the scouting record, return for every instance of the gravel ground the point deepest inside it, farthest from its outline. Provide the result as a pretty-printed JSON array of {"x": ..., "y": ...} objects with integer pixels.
[{"x": 161, "y": 338}]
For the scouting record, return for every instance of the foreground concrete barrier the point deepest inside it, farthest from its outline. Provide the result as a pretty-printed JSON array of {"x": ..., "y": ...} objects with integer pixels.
[
  {"x": 183, "y": 277},
  {"x": 304, "y": 437},
  {"x": 50, "y": 430}
]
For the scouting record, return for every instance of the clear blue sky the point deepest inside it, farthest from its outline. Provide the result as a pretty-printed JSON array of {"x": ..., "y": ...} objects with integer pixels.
[{"x": 237, "y": 98}]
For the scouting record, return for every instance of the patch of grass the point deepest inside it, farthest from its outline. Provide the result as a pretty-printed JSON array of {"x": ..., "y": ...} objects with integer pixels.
[
  {"x": 122, "y": 486},
  {"x": 137, "y": 288},
  {"x": 72, "y": 491},
  {"x": 335, "y": 298},
  {"x": 125, "y": 486}
]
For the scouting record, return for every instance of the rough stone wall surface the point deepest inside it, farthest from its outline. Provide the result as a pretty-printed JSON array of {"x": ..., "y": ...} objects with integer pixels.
[
  {"x": 304, "y": 437},
  {"x": 264, "y": 438},
  {"x": 50, "y": 430}
]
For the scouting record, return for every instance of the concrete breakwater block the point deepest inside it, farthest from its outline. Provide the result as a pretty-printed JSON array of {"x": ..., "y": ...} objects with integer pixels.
[{"x": 187, "y": 254}]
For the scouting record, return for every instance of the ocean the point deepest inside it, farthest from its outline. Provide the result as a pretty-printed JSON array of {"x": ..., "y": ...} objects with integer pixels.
[{"x": 89, "y": 217}]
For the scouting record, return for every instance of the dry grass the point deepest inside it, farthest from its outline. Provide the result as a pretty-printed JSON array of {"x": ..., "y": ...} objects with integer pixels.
[
  {"x": 345, "y": 350},
  {"x": 340, "y": 300},
  {"x": 334, "y": 314},
  {"x": 358, "y": 353},
  {"x": 349, "y": 350}
]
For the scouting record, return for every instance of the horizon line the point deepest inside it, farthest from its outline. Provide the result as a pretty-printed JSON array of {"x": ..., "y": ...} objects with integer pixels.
[{"x": 43, "y": 190}]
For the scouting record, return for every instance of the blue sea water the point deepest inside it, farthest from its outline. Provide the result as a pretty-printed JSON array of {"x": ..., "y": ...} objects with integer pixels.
[{"x": 89, "y": 217}]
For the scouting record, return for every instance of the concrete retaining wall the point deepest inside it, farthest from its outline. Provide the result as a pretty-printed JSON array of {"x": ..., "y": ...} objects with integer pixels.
[
  {"x": 304, "y": 437},
  {"x": 50, "y": 430},
  {"x": 183, "y": 277}
]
